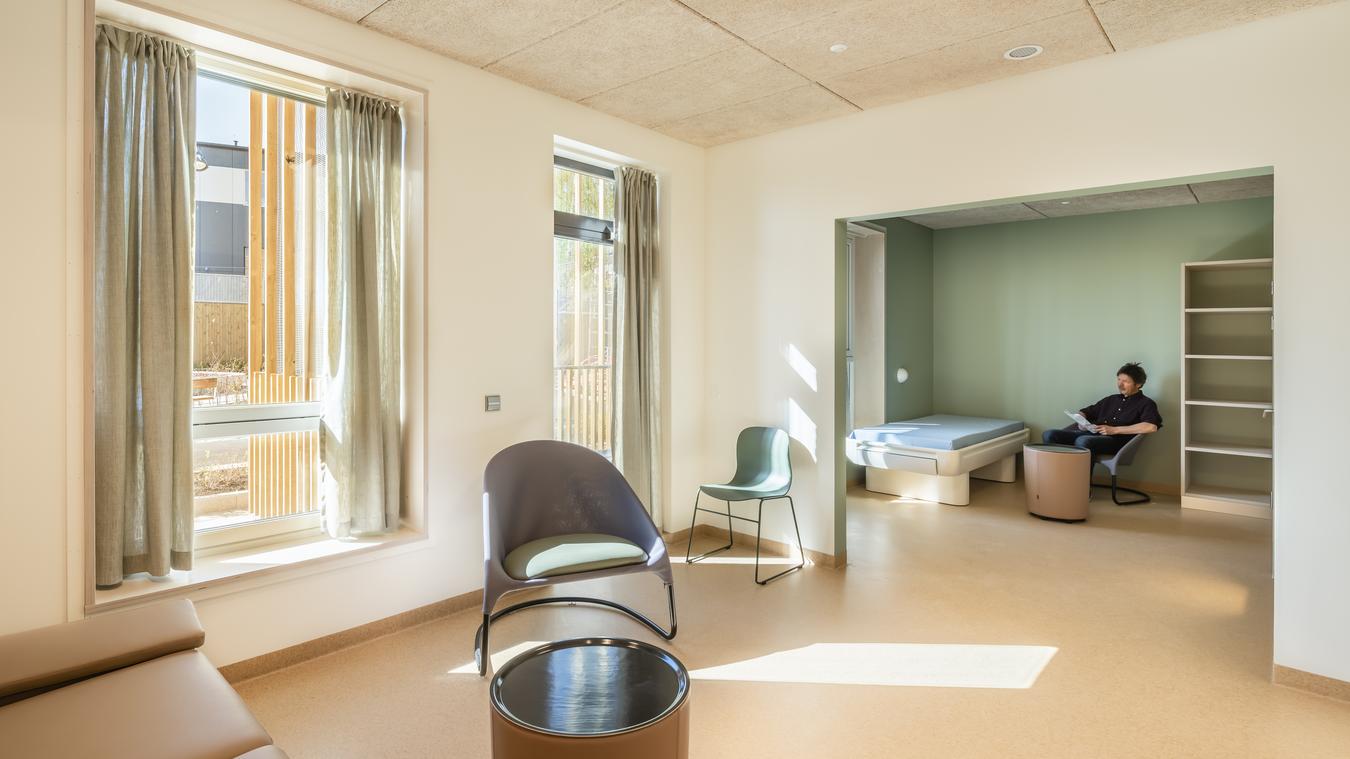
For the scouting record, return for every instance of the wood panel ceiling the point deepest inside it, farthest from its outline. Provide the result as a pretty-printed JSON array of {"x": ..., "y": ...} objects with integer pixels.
[{"x": 715, "y": 71}]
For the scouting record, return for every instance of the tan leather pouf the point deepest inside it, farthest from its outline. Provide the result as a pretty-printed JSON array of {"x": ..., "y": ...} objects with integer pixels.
[
  {"x": 1057, "y": 478},
  {"x": 591, "y": 698}
]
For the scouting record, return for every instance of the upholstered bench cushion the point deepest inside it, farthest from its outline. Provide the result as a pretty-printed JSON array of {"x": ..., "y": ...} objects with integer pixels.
[
  {"x": 173, "y": 707},
  {"x": 570, "y": 554}
]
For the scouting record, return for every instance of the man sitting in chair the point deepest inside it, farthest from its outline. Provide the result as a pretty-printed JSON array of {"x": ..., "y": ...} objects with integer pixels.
[{"x": 1114, "y": 419}]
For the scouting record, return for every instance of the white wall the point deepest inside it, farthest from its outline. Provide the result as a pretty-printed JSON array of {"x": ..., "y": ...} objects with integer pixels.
[
  {"x": 32, "y": 317},
  {"x": 490, "y": 144},
  {"x": 1269, "y": 93}
]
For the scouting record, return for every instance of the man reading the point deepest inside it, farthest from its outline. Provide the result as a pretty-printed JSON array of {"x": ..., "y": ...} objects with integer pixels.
[{"x": 1115, "y": 419}]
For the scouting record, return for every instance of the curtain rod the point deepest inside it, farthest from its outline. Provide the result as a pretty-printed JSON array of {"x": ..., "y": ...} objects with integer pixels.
[{"x": 210, "y": 52}]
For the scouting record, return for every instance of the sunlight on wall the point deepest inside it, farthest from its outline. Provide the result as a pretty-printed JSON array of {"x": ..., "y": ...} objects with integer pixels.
[
  {"x": 934, "y": 665},
  {"x": 801, "y": 428},
  {"x": 804, "y": 369}
]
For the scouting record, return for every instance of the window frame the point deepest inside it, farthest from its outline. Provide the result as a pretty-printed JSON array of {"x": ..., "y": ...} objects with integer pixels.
[
  {"x": 587, "y": 230},
  {"x": 577, "y": 226},
  {"x": 282, "y": 62},
  {"x": 248, "y": 419}
]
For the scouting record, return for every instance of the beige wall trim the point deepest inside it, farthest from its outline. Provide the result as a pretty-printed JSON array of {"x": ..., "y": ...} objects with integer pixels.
[
  {"x": 678, "y": 540},
  {"x": 313, "y": 649},
  {"x": 1307, "y": 681}
]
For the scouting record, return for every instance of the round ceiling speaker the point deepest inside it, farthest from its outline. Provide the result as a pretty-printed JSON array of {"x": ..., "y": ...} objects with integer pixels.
[{"x": 1023, "y": 52}]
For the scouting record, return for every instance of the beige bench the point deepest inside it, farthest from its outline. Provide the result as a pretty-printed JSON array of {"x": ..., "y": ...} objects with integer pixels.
[{"x": 128, "y": 684}]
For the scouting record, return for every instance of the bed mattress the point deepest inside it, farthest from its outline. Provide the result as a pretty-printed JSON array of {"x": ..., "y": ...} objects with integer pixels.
[{"x": 944, "y": 432}]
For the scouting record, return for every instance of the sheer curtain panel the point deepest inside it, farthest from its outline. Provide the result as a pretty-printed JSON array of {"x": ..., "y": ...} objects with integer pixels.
[
  {"x": 145, "y": 132},
  {"x": 360, "y": 432},
  {"x": 637, "y": 384}
]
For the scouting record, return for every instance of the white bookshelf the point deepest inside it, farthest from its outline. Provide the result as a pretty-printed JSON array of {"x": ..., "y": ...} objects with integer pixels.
[{"x": 1227, "y": 323}]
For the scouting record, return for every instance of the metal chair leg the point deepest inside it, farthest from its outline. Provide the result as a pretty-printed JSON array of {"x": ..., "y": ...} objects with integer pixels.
[
  {"x": 480, "y": 652},
  {"x": 1141, "y": 496},
  {"x": 688, "y": 558},
  {"x": 480, "y": 642},
  {"x": 801, "y": 554},
  {"x": 693, "y": 520}
]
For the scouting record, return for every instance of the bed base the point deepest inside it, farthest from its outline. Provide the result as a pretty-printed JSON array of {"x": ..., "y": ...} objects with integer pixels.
[
  {"x": 953, "y": 490},
  {"x": 937, "y": 475}
]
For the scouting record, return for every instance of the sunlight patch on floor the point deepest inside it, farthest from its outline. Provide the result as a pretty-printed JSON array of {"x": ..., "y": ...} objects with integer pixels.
[
  {"x": 932, "y": 665},
  {"x": 498, "y": 659}
]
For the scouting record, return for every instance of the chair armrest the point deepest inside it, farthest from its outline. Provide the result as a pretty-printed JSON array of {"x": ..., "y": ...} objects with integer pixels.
[{"x": 38, "y": 660}]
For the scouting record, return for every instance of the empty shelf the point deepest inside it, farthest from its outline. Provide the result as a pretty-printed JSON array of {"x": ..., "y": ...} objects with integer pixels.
[
  {"x": 1229, "y": 357},
  {"x": 1265, "y": 405},
  {"x": 1236, "y": 495},
  {"x": 1241, "y": 263},
  {"x": 1230, "y": 449},
  {"x": 1243, "y": 310}
]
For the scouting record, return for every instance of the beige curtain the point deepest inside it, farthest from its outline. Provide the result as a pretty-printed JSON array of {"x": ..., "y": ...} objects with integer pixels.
[
  {"x": 360, "y": 433},
  {"x": 637, "y": 380},
  {"x": 145, "y": 134}
]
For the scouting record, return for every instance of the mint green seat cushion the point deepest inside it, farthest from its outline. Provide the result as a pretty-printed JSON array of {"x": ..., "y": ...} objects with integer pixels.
[{"x": 569, "y": 554}]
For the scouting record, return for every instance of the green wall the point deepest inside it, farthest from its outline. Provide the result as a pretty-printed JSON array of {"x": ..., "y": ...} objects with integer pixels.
[
  {"x": 909, "y": 318},
  {"x": 1030, "y": 318}
]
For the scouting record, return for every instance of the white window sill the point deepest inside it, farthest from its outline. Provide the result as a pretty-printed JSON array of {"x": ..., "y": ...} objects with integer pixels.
[{"x": 234, "y": 570}]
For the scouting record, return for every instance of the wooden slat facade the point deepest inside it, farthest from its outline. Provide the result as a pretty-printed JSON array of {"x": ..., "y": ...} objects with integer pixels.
[
  {"x": 255, "y": 233},
  {"x": 583, "y": 406},
  {"x": 283, "y": 468}
]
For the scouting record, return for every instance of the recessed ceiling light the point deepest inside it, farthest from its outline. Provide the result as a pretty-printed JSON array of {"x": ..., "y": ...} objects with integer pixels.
[
  {"x": 838, "y": 47},
  {"x": 1023, "y": 52},
  {"x": 1064, "y": 202}
]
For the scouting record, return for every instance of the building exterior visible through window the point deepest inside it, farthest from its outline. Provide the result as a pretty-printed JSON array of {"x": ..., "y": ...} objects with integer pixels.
[{"x": 258, "y": 311}]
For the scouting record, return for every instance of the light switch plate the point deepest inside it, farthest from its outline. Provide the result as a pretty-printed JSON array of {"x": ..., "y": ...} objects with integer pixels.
[{"x": 492, "y": 403}]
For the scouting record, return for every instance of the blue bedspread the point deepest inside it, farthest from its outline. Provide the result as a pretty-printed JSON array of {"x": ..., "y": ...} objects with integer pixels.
[{"x": 946, "y": 432}]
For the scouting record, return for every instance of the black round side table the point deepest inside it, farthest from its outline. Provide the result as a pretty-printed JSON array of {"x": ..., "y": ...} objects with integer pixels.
[{"x": 598, "y": 698}]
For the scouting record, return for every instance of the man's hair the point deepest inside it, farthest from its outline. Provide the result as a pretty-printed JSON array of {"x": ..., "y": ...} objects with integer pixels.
[{"x": 1135, "y": 372}]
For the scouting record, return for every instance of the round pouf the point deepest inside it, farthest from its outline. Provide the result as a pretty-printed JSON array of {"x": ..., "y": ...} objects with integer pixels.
[
  {"x": 1058, "y": 479},
  {"x": 597, "y": 698}
]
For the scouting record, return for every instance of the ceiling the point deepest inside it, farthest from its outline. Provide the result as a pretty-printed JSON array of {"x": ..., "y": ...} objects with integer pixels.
[
  {"x": 1104, "y": 202},
  {"x": 715, "y": 71}
]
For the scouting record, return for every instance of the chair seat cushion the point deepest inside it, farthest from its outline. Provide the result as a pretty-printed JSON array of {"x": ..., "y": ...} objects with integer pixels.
[
  {"x": 570, "y": 554},
  {"x": 732, "y": 492}
]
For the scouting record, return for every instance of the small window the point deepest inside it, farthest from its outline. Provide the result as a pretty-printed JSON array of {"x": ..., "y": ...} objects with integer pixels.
[{"x": 583, "y": 304}]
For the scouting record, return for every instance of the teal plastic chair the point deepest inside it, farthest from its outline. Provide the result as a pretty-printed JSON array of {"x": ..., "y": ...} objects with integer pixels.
[{"x": 763, "y": 473}]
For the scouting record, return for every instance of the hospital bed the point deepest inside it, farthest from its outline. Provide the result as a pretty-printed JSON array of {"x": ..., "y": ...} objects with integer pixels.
[{"x": 932, "y": 458}]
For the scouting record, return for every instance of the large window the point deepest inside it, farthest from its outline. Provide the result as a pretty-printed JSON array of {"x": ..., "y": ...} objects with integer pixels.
[
  {"x": 257, "y": 366},
  {"x": 583, "y": 304}
]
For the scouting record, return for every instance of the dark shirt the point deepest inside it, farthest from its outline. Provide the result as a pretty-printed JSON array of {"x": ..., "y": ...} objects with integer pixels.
[{"x": 1121, "y": 411}]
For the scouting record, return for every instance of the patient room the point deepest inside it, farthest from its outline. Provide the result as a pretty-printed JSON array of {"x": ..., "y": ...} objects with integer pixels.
[{"x": 972, "y": 330}]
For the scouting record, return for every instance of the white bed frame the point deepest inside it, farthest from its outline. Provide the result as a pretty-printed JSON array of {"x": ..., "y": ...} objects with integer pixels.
[{"x": 934, "y": 474}]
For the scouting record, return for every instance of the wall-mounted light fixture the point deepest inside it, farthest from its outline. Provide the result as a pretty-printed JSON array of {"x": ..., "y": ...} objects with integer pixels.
[{"x": 901, "y": 375}]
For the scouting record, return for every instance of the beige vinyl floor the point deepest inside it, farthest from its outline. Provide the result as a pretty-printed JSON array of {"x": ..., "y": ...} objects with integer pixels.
[{"x": 953, "y": 632}]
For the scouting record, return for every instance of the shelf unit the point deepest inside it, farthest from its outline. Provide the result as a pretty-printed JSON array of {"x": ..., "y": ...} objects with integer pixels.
[{"x": 1227, "y": 326}]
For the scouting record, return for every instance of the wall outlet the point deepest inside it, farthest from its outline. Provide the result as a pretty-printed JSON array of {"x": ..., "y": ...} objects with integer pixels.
[{"x": 492, "y": 403}]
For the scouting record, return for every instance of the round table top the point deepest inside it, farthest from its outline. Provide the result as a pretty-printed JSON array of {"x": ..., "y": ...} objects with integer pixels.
[
  {"x": 589, "y": 687},
  {"x": 1055, "y": 448}
]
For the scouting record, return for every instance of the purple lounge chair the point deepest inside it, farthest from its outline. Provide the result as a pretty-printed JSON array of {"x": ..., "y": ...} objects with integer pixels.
[{"x": 554, "y": 512}]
